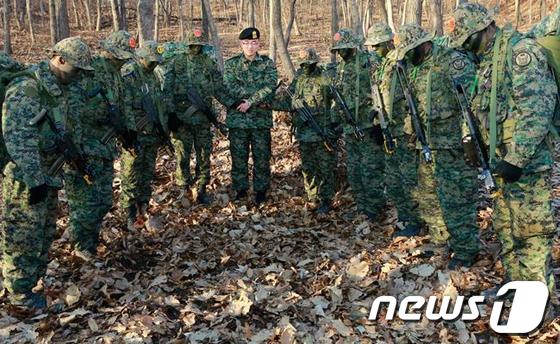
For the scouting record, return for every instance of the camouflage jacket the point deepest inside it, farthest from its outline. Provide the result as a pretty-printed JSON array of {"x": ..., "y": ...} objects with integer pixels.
[
  {"x": 393, "y": 98},
  {"x": 94, "y": 118},
  {"x": 432, "y": 85},
  {"x": 354, "y": 84},
  {"x": 141, "y": 87},
  {"x": 32, "y": 148},
  {"x": 252, "y": 80},
  {"x": 526, "y": 97},
  {"x": 201, "y": 72}
]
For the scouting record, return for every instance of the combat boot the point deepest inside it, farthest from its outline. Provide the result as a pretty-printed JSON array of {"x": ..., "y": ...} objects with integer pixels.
[
  {"x": 455, "y": 263},
  {"x": 132, "y": 212},
  {"x": 260, "y": 197},
  {"x": 202, "y": 197},
  {"x": 35, "y": 302},
  {"x": 408, "y": 231},
  {"x": 324, "y": 208}
]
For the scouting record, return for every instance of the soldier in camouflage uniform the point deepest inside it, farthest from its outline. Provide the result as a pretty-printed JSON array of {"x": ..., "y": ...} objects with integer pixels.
[
  {"x": 515, "y": 124},
  {"x": 142, "y": 94},
  {"x": 190, "y": 126},
  {"x": 365, "y": 156},
  {"x": 251, "y": 80},
  {"x": 447, "y": 187},
  {"x": 100, "y": 114},
  {"x": 30, "y": 193},
  {"x": 401, "y": 167},
  {"x": 318, "y": 158}
]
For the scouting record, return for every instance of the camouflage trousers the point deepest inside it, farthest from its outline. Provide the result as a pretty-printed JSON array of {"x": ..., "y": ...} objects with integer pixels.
[
  {"x": 184, "y": 140},
  {"x": 523, "y": 219},
  {"x": 89, "y": 203},
  {"x": 138, "y": 172},
  {"x": 318, "y": 167},
  {"x": 447, "y": 197},
  {"x": 365, "y": 165},
  {"x": 401, "y": 178},
  {"x": 241, "y": 142},
  {"x": 27, "y": 234}
]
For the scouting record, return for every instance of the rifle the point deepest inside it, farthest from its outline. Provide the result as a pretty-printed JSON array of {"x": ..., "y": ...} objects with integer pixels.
[
  {"x": 305, "y": 112},
  {"x": 198, "y": 104},
  {"x": 152, "y": 117},
  {"x": 65, "y": 146},
  {"x": 486, "y": 175},
  {"x": 358, "y": 132},
  {"x": 413, "y": 110},
  {"x": 379, "y": 107}
]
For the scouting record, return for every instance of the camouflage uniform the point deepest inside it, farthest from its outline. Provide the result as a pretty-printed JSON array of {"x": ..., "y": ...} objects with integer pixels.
[
  {"x": 90, "y": 203},
  {"x": 447, "y": 187},
  {"x": 365, "y": 162},
  {"x": 255, "y": 81},
  {"x": 401, "y": 167},
  {"x": 524, "y": 105},
  {"x": 30, "y": 194},
  {"x": 193, "y": 70},
  {"x": 141, "y": 87},
  {"x": 318, "y": 162}
]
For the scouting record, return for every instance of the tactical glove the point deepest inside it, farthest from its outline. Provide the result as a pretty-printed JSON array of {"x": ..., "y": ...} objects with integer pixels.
[
  {"x": 469, "y": 149},
  {"x": 38, "y": 194},
  {"x": 510, "y": 173}
]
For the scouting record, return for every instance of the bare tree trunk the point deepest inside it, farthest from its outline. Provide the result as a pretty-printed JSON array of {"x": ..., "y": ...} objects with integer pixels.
[
  {"x": 437, "y": 16},
  {"x": 334, "y": 25},
  {"x": 115, "y": 14},
  {"x": 76, "y": 16},
  {"x": 517, "y": 13},
  {"x": 30, "y": 18},
  {"x": 252, "y": 18},
  {"x": 98, "y": 12},
  {"x": 156, "y": 19},
  {"x": 205, "y": 24},
  {"x": 122, "y": 15},
  {"x": 214, "y": 32},
  {"x": 291, "y": 20},
  {"x": 53, "y": 25},
  {"x": 86, "y": 4},
  {"x": 357, "y": 20},
  {"x": 382, "y": 10},
  {"x": 389, "y": 9},
  {"x": 145, "y": 10},
  {"x": 18, "y": 10},
  {"x": 62, "y": 19},
  {"x": 6, "y": 23},
  {"x": 240, "y": 10},
  {"x": 413, "y": 12},
  {"x": 542, "y": 9},
  {"x": 272, "y": 37},
  {"x": 279, "y": 35},
  {"x": 181, "y": 19}
]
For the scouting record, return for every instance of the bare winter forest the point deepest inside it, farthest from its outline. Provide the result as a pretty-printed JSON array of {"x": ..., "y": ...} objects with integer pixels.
[{"x": 231, "y": 272}]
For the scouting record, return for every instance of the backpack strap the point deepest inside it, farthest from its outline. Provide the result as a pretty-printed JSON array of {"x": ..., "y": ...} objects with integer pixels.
[{"x": 498, "y": 64}]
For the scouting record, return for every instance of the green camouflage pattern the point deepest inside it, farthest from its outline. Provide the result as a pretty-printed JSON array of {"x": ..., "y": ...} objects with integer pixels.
[
  {"x": 151, "y": 51},
  {"x": 467, "y": 19},
  {"x": 547, "y": 26},
  {"x": 318, "y": 166},
  {"x": 346, "y": 39},
  {"x": 258, "y": 142},
  {"x": 186, "y": 139},
  {"x": 379, "y": 33},
  {"x": 308, "y": 56},
  {"x": 75, "y": 51},
  {"x": 196, "y": 37},
  {"x": 409, "y": 37},
  {"x": 120, "y": 44}
]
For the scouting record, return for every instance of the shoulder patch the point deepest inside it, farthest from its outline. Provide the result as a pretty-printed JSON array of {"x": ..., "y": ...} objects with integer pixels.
[
  {"x": 458, "y": 64},
  {"x": 522, "y": 58}
]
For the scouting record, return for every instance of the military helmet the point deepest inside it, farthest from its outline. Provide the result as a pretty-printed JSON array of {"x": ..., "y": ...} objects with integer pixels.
[
  {"x": 409, "y": 37},
  {"x": 120, "y": 44},
  {"x": 308, "y": 56},
  {"x": 345, "y": 39},
  {"x": 151, "y": 51},
  {"x": 379, "y": 33},
  {"x": 171, "y": 49},
  {"x": 75, "y": 51},
  {"x": 196, "y": 37},
  {"x": 467, "y": 19}
]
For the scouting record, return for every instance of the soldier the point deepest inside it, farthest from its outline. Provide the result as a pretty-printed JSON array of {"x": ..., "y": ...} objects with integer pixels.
[
  {"x": 447, "y": 187},
  {"x": 144, "y": 114},
  {"x": 251, "y": 80},
  {"x": 100, "y": 114},
  {"x": 29, "y": 191},
  {"x": 193, "y": 74},
  {"x": 401, "y": 167},
  {"x": 514, "y": 101},
  {"x": 317, "y": 144},
  {"x": 365, "y": 155}
]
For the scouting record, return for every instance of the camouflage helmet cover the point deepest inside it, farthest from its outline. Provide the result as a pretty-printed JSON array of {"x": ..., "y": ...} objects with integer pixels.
[
  {"x": 196, "y": 37},
  {"x": 75, "y": 51},
  {"x": 409, "y": 37},
  {"x": 346, "y": 39},
  {"x": 308, "y": 56},
  {"x": 151, "y": 51},
  {"x": 171, "y": 49},
  {"x": 379, "y": 33},
  {"x": 120, "y": 44},
  {"x": 467, "y": 19}
]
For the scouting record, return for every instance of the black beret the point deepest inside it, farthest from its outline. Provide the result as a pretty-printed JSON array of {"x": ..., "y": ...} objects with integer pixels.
[{"x": 250, "y": 33}]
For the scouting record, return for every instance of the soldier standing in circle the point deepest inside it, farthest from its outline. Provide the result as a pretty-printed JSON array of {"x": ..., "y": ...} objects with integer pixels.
[
  {"x": 514, "y": 99},
  {"x": 365, "y": 162},
  {"x": 447, "y": 187},
  {"x": 401, "y": 167},
  {"x": 101, "y": 113},
  {"x": 144, "y": 114},
  {"x": 251, "y": 79},
  {"x": 190, "y": 123},
  {"x": 29, "y": 192}
]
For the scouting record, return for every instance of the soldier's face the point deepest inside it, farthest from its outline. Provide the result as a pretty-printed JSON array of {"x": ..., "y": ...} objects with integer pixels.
[
  {"x": 112, "y": 59},
  {"x": 64, "y": 71},
  {"x": 476, "y": 43},
  {"x": 417, "y": 55},
  {"x": 346, "y": 53},
  {"x": 309, "y": 68},
  {"x": 383, "y": 49},
  {"x": 195, "y": 49},
  {"x": 250, "y": 47},
  {"x": 148, "y": 65}
]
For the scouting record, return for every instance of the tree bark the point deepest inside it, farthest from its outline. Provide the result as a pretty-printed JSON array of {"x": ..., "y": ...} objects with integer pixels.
[
  {"x": 181, "y": 19},
  {"x": 30, "y": 18},
  {"x": 115, "y": 14},
  {"x": 62, "y": 19},
  {"x": 279, "y": 37},
  {"x": 291, "y": 20},
  {"x": 389, "y": 9},
  {"x": 252, "y": 18},
  {"x": 98, "y": 12},
  {"x": 413, "y": 12},
  {"x": 87, "y": 4},
  {"x": 122, "y": 15},
  {"x": 156, "y": 19},
  {"x": 382, "y": 10},
  {"x": 145, "y": 10},
  {"x": 517, "y": 13},
  {"x": 53, "y": 25},
  {"x": 437, "y": 16},
  {"x": 272, "y": 37},
  {"x": 76, "y": 15},
  {"x": 214, "y": 32},
  {"x": 334, "y": 25},
  {"x": 7, "y": 29},
  {"x": 357, "y": 19}
]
